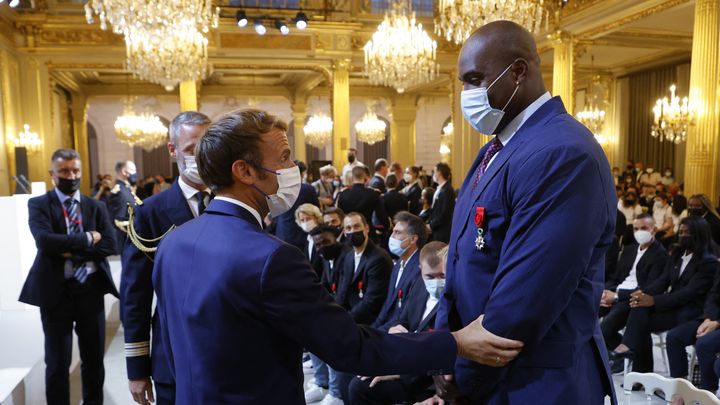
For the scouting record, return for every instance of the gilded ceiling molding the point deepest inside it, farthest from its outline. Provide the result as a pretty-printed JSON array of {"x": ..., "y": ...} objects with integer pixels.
[
  {"x": 631, "y": 18},
  {"x": 251, "y": 66}
]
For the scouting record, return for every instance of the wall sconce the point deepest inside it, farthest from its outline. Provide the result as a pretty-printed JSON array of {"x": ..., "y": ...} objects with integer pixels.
[{"x": 29, "y": 140}]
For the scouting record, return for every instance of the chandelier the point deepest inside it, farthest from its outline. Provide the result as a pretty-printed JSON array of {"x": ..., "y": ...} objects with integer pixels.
[
  {"x": 165, "y": 41},
  {"x": 318, "y": 130},
  {"x": 457, "y": 19},
  {"x": 672, "y": 118},
  {"x": 29, "y": 140},
  {"x": 370, "y": 129},
  {"x": 593, "y": 118},
  {"x": 144, "y": 130},
  {"x": 400, "y": 53}
]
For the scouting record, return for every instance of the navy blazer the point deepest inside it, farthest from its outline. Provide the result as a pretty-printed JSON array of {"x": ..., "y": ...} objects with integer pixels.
[
  {"x": 649, "y": 268},
  {"x": 152, "y": 220},
  {"x": 395, "y": 202},
  {"x": 414, "y": 194},
  {"x": 45, "y": 282},
  {"x": 230, "y": 295},
  {"x": 391, "y": 308},
  {"x": 378, "y": 183},
  {"x": 442, "y": 211},
  {"x": 539, "y": 277},
  {"x": 366, "y": 201},
  {"x": 685, "y": 292},
  {"x": 285, "y": 227}
]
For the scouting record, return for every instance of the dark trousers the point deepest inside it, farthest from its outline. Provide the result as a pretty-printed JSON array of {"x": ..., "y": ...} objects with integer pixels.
[
  {"x": 678, "y": 338},
  {"x": 164, "y": 393},
  {"x": 640, "y": 324},
  {"x": 389, "y": 392},
  {"x": 120, "y": 237},
  {"x": 84, "y": 308},
  {"x": 707, "y": 349},
  {"x": 613, "y": 321}
]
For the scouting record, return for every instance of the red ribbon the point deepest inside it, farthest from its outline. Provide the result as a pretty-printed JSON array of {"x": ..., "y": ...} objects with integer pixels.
[
  {"x": 400, "y": 294},
  {"x": 359, "y": 285},
  {"x": 479, "y": 216},
  {"x": 333, "y": 287}
]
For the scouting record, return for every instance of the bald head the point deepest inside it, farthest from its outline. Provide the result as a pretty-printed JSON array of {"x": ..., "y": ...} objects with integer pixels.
[{"x": 492, "y": 49}]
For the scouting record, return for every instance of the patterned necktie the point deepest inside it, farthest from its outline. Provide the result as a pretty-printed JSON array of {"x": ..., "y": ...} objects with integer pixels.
[
  {"x": 200, "y": 197},
  {"x": 74, "y": 226},
  {"x": 492, "y": 150}
]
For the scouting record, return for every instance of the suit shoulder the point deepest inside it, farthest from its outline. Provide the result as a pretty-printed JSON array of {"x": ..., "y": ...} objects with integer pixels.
[{"x": 39, "y": 200}]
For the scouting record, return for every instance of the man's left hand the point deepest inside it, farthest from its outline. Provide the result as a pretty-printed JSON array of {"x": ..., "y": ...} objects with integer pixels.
[
  {"x": 479, "y": 345},
  {"x": 639, "y": 299}
]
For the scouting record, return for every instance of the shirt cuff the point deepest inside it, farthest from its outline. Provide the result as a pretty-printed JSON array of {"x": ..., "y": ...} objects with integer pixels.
[{"x": 89, "y": 238}]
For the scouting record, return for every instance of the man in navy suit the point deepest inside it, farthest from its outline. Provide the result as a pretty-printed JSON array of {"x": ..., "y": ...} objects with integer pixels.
[
  {"x": 69, "y": 278},
  {"x": 443, "y": 204},
  {"x": 535, "y": 216},
  {"x": 408, "y": 237},
  {"x": 378, "y": 180},
  {"x": 230, "y": 295},
  {"x": 158, "y": 215}
]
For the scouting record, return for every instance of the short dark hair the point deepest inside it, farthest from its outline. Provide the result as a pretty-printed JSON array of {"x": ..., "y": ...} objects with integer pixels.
[
  {"x": 193, "y": 118},
  {"x": 415, "y": 226},
  {"x": 444, "y": 169},
  {"x": 415, "y": 170},
  {"x": 322, "y": 228},
  {"x": 357, "y": 214},
  {"x": 64, "y": 154},
  {"x": 427, "y": 192},
  {"x": 120, "y": 165},
  {"x": 234, "y": 136},
  {"x": 301, "y": 166},
  {"x": 396, "y": 166},
  {"x": 645, "y": 215},
  {"x": 391, "y": 181},
  {"x": 700, "y": 235},
  {"x": 334, "y": 210},
  {"x": 359, "y": 172},
  {"x": 433, "y": 254},
  {"x": 380, "y": 163}
]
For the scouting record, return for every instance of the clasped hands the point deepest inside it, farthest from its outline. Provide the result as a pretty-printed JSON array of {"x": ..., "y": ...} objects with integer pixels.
[{"x": 639, "y": 299}]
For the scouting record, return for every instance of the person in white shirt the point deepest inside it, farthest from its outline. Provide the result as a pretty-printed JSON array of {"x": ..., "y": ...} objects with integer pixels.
[
  {"x": 668, "y": 177},
  {"x": 630, "y": 207},
  {"x": 352, "y": 162},
  {"x": 662, "y": 214}
]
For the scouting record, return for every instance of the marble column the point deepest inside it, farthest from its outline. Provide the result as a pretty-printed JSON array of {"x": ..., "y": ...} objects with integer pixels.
[
  {"x": 341, "y": 111},
  {"x": 563, "y": 75},
  {"x": 402, "y": 129}
]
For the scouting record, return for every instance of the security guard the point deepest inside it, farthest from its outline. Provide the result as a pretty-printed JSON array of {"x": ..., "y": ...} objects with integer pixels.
[
  {"x": 367, "y": 201},
  {"x": 122, "y": 196},
  {"x": 156, "y": 217}
]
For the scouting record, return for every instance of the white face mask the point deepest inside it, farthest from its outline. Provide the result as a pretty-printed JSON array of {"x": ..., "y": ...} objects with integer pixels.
[
  {"x": 668, "y": 174},
  {"x": 308, "y": 226},
  {"x": 435, "y": 287},
  {"x": 395, "y": 246},
  {"x": 191, "y": 170},
  {"x": 407, "y": 178},
  {"x": 643, "y": 237},
  {"x": 288, "y": 190},
  {"x": 650, "y": 170},
  {"x": 477, "y": 109}
]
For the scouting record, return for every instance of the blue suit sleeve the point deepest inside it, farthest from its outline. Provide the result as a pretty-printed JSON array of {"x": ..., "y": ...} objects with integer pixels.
[{"x": 300, "y": 308}]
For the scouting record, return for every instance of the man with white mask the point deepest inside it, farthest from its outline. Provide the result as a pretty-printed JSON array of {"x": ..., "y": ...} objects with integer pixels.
[{"x": 186, "y": 199}]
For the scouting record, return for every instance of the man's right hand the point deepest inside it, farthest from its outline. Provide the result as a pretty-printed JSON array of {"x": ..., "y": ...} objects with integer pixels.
[
  {"x": 96, "y": 237},
  {"x": 608, "y": 299},
  {"x": 142, "y": 391},
  {"x": 476, "y": 343}
]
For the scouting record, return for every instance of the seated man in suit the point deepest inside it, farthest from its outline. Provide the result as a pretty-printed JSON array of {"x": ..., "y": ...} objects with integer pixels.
[
  {"x": 418, "y": 315},
  {"x": 70, "y": 277},
  {"x": 409, "y": 235},
  {"x": 443, "y": 204},
  {"x": 640, "y": 265}
]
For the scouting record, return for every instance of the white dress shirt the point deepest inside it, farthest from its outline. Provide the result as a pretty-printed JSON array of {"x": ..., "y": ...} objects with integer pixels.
[
  {"x": 252, "y": 210},
  {"x": 189, "y": 194},
  {"x": 403, "y": 263},
  {"x": 685, "y": 260},
  {"x": 513, "y": 126},
  {"x": 437, "y": 193},
  {"x": 429, "y": 305},
  {"x": 358, "y": 256},
  {"x": 630, "y": 282},
  {"x": 311, "y": 245}
]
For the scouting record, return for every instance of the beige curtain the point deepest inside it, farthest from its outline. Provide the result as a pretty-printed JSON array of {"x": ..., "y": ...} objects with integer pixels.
[{"x": 645, "y": 88}]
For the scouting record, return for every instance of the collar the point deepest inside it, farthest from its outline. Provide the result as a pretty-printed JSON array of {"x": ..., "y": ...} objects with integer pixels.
[
  {"x": 440, "y": 185},
  {"x": 252, "y": 210},
  {"x": 511, "y": 128},
  {"x": 187, "y": 190},
  {"x": 64, "y": 197},
  {"x": 379, "y": 175},
  {"x": 404, "y": 263}
]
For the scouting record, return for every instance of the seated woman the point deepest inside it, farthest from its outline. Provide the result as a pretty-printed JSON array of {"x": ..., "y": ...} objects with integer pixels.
[
  {"x": 418, "y": 315},
  {"x": 687, "y": 278}
]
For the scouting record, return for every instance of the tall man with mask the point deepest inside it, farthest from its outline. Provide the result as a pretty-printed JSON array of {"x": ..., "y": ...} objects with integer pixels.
[
  {"x": 262, "y": 303},
  {"x": 69, "y": 279},
  {"x": 518, "y": 256},
  {"x": 121, "y": 196},
  {"x": 353, "y": 162},
  {"x": 186, "y": 199}
]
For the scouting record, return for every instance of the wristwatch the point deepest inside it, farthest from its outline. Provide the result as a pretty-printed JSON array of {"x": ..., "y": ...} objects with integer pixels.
[{"x": 616, "y": 298}]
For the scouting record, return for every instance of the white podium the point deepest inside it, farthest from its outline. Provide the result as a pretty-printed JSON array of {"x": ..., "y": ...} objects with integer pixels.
[{"x": 17, "y": 249}]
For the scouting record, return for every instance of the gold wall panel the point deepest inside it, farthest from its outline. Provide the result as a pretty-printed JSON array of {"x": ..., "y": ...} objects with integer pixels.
[
  {"x": 254, "y": 41},
  {"x": 78, "y": 37}
]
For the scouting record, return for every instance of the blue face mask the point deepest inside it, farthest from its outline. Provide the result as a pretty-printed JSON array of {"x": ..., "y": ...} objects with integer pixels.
[
  {"x": 395, "y": 246},
  {"x": 477, "y": 110},
  {"x": 435, "y": 287}
]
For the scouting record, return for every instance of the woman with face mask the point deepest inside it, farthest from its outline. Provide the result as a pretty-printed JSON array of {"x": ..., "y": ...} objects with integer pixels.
[
  {"x": 668, "y": 177},
  {"x": 308, "y": 217},
  {"x": 630, "y": 207}
]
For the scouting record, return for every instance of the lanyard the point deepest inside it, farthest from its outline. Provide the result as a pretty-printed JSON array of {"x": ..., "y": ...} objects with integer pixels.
[{"x": 77, "y": 221}]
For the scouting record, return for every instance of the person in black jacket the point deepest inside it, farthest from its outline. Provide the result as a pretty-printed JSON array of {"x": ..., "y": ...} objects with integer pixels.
[
  {"x": 687, "y": 277},
  {"x": 366, "y": 201},
  {"x": 700, "y": 205},
  {"x": 640, "y": 264},
  {"x": 378, "y": 180},
  {"x": 413, "y": 189},
  {"x": 70, "y": 277},
  {"x": 394, "y": 201},
  {"x": 426, "y": 198},
  {"x": 418, "y": 315},
  {"x": 443, "y": 204},
  {"x": 687, "y": 333},
  {"x": 121, "y": 196}
]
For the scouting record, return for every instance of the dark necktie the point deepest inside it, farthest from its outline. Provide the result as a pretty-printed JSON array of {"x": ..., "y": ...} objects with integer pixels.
[
  {"x": 492, "y": 150},
  {"x": 74, "y": 226},
  {"x": 200, "y": 197}
]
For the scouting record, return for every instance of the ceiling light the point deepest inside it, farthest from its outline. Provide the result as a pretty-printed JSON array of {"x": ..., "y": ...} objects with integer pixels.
[
  {"x": 241, "y": 19},
  {"x": 301, "y": 20},
  {"x": 280, "y": 25},
  {"x": 14, "y": 3},
  {"x": 259, "y": 27}
]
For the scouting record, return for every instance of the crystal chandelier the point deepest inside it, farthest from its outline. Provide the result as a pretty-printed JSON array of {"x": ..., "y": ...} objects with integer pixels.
[
  {"x": 29, "y": 140},
  {"x": 400, "y": 53},
  {"x": 370, "y": 129},
  {"x": 457, "y": 19},
  {"x": 318, "y": 130},
  {"x": 165, "y": 41},
  {"x": 672, "y": 118},
  {"x": 445, "y": 138},
  {"x": 144, "y": 130},
  {"x": 593, "y": 118}
]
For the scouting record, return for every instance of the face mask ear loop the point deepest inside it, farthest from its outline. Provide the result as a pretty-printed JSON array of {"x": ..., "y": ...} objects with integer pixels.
[
  {"x": 501, "y": 75},
  {"x": 511, "y": 97}
]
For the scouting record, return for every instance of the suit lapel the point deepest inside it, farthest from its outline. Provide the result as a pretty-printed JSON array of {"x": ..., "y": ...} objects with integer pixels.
[
  {"x": 56, "y": 211},
  {"x": 177, "y": 206},
  {"x": 88, "y": 219},
  {"x": 363, "y": 261},
  {"x": 427, "y": 319}
]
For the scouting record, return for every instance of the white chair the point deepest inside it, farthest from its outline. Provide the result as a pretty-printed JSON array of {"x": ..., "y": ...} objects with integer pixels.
[
  {"x": 659, "y": 342},
  {"x": 670, "y": 387}
]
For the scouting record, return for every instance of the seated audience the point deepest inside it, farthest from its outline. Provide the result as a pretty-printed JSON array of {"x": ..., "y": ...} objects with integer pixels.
[{"x": 662, "y": 214}]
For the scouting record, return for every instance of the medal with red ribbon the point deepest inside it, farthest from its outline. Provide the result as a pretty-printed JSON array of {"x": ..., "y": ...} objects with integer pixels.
[
  {"x": 480, "y": 223},
  {"x": 360, "y": 290},
  {"x": 333, "y": 288},
  {"x": 400, "y": 298}
]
